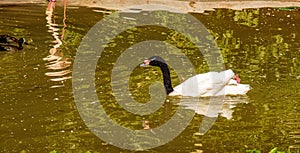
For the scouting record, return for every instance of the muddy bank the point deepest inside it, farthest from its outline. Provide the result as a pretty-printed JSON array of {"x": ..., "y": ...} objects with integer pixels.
[
  {"x": 181, "y": 6},
  {"x": 189, "y": 6}
]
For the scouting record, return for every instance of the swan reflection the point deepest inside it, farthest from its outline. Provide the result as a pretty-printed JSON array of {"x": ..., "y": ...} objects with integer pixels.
[{"x": 208, "y": 107}]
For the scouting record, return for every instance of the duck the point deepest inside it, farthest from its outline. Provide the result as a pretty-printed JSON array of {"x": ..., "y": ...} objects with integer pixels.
[
  {"x": 6, "y": 41},
  {"x": 210, "y": 84}
]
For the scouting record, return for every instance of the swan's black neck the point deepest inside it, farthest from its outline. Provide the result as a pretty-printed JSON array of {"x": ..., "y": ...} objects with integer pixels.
[{"x": 166, "y": 73}]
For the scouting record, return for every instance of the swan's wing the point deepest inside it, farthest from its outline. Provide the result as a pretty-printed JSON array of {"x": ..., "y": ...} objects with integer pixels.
[
  {"x": 202, "y": 85},
  {"x": 188, "y": 88},
  {"x": 239, "y": 89},
  {"x": 217, "y": 81}
]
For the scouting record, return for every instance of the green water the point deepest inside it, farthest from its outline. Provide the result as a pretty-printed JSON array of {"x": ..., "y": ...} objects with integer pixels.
[{"x": 39, "y": 113}]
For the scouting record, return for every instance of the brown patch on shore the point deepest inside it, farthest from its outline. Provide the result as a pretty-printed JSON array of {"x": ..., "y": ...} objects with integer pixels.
[
  {"x": 189, "y": 5},
  {"x": 183, "y": 6}
]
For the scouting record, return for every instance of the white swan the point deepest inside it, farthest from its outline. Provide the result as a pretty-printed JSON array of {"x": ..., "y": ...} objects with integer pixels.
[{"x": 201, "y": 85}]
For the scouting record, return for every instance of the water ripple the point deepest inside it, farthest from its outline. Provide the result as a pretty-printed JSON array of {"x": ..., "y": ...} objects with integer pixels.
[{"x": 56, "y": 62}]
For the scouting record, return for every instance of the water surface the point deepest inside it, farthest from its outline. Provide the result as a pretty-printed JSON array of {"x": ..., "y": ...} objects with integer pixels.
[{"x": 39, "y": 113}]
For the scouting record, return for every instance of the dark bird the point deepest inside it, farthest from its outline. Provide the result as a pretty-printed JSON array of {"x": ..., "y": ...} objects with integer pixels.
[
  {"x": 5, "y": 47},
  {"x": 6, "y": 39}
]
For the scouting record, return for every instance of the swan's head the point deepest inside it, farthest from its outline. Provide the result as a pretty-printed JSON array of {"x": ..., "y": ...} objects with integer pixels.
[
  {"x": 153, "y": 61},
  {"x": 145, "y": 63}
]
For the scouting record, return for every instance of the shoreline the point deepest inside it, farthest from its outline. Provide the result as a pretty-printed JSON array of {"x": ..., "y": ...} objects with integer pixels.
[
  {"x": 178, "y": 6},
  {"x": 196, "y": 7}
]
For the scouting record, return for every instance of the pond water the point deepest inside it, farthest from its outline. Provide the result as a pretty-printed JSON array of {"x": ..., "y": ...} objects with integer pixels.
[{"x": 39, "y": 114}]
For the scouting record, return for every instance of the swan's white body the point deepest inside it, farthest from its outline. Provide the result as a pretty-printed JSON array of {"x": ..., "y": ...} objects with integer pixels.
[{"x": 210, "y": 84}]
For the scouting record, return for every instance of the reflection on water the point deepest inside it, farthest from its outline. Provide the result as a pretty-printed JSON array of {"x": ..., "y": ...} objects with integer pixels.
[
  {"x": 56, "y": 60},
  {"x": 205, "y": 106},
  {"x": 261, "y": 45}
]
